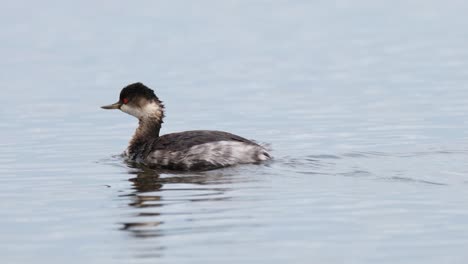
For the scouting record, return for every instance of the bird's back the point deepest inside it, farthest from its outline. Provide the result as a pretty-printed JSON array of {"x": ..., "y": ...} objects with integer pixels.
[{"x": 203, "y": 150}]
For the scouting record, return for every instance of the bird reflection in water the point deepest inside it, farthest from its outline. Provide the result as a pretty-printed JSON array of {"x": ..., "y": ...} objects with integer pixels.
[{"x": 153, "y": 191}]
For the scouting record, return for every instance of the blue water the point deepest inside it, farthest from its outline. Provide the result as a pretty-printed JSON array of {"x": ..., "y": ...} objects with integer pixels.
[{"x": 363, "y": 103}]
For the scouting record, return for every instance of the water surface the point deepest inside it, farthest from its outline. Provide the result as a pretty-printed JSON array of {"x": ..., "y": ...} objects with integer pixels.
[{"x": 363, "y": 103}]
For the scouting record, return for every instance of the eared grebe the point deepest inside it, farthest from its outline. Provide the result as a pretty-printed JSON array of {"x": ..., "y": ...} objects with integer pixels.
[{"x": 190, "y": 150}]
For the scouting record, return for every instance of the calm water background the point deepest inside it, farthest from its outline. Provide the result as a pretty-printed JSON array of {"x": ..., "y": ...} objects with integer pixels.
[{"x": 364, "y": 104}]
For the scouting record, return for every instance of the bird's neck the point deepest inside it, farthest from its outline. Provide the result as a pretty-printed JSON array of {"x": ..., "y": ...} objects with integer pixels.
[{"x": 145, "y": 135}]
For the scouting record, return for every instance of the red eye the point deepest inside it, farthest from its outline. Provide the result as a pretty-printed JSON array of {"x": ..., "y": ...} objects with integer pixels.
[{"x": 125, "y": 100}]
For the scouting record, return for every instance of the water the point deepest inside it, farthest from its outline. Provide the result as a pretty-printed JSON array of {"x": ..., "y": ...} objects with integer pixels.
[{"x": 364, "y": 104}]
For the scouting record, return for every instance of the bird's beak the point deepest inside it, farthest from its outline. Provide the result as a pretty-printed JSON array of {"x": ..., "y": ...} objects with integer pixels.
[{"x": 112, "y": 106}]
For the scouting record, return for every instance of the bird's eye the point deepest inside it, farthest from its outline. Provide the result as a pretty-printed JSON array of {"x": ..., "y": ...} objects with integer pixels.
[{"x": 125, "y": 100}]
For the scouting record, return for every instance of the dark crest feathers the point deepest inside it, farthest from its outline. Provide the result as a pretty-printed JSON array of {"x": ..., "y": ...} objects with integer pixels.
[{"x": 137, "y": 89}]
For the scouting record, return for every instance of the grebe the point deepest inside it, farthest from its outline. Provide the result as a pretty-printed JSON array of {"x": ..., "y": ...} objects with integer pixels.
[{"x": 189, "y": 150}]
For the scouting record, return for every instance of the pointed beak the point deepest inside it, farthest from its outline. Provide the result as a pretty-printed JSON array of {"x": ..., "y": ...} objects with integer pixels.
[{"x": 112, "y": 106}]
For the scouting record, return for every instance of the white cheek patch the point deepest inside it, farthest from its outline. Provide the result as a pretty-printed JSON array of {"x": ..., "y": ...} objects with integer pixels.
[
  {"x": 149, "y": 110},
  {"x": 152, "y": 110},
  {"x": 134, "y": 111}
]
